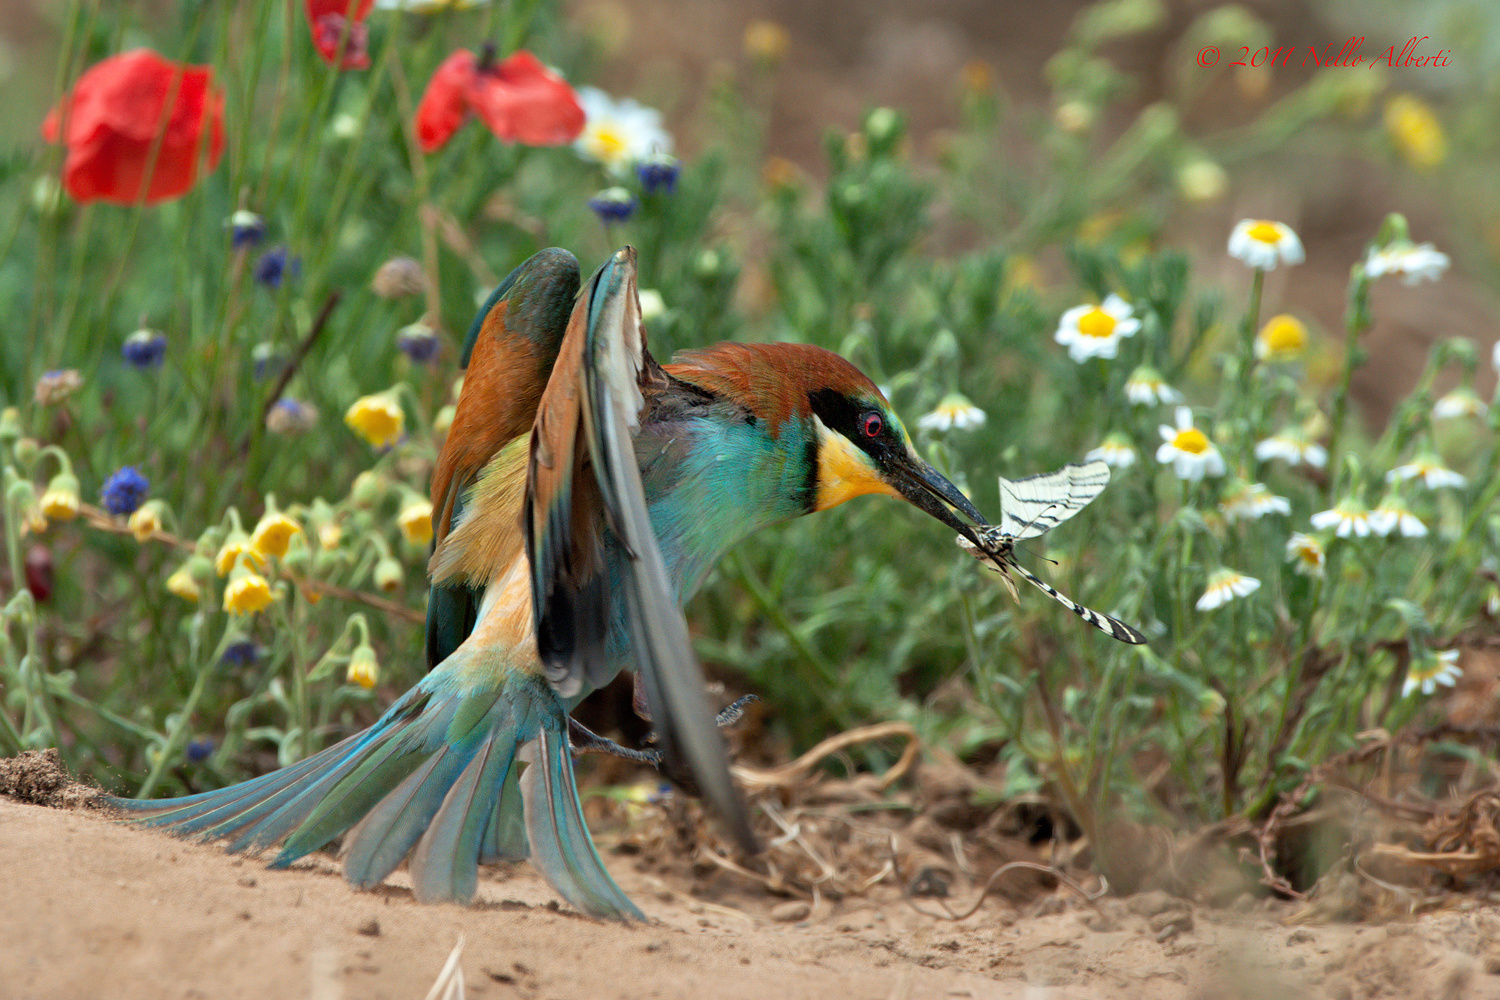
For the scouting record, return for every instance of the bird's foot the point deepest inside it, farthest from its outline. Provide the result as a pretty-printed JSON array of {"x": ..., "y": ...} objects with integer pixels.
[{"x": 585, "y": 740}]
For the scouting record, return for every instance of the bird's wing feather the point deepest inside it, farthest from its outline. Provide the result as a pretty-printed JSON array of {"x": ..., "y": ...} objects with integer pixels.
[
  {"x": 509, "y": 353},
  {"x": 583, "y": 476}
]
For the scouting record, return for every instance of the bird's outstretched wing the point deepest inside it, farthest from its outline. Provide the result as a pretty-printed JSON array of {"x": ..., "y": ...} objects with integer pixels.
[
  {"x": 583, "y": 481},
  {"x": 508, "y": 354}
]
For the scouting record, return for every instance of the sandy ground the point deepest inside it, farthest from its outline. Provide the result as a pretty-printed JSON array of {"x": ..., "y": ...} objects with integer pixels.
[{"x": 96, "y": 910}]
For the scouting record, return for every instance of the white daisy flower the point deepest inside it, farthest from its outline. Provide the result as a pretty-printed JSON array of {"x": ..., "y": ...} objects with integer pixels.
[
  {"x": 1348, "y": 518},
  {"x": 1095, "y": 331},
  {"x": 1263, "y": 244},
  {"x": 1189, "y": 451},
  {"x": 1146, "y": 387},
  {"x": 1283, "y": 338},
  {"x": 1413, "y": 263},
  {"x": 1115, "y": 450},
  {"x": 1252, "y": 501},
  {"x": 955, "y": 411},
  {"x": 1429, "y": 670},
  {"x": 1495, "y": 356},
  {"x": 1391, "y": 517},
  {"x": 1224, "y": 585},
  {"x": 1294, "y": 447},
  {"x": 618, "y": 133},
  {"x": 1461, "y": 402},
  {"x": 1430, "y": 469},
  {"x": 1305, "y": 553}
]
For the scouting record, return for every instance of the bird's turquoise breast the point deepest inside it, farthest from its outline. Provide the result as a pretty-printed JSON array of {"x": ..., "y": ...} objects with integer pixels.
[{"x": 710, "y": 482}]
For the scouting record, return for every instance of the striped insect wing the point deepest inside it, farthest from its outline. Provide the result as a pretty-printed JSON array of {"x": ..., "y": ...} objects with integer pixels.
[
  {"x": 1035, "y": 505},
  {"x": 1031, "y": 507}
]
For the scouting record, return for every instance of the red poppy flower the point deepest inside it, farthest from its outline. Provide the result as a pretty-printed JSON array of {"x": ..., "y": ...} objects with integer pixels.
[
  {"x": 339, "y": 32},
  {"x": 445, "y": 102},
  {"x": 117, "y": 113},
  {"x": 519, "y": 98}
]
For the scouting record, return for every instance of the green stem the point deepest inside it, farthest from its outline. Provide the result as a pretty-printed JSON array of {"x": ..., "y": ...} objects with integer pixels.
[
  {"x": 184, "y": 718},
  {"x": 826, "y": 678}
]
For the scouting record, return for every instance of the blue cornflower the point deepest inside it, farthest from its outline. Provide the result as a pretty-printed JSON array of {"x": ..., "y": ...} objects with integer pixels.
[
  {"x": 418, "y": 342},
  {"x": 145, "y": 348},
  {"x": 613, "y": 204},
  {"x": 289, "y": 416},
  {"x": 240, "y": 653},
  {"x": 246, "y": 229},
  {"x": 275, "y": 265},
  {"x": 124, "y": 491},
  {"x": 199, "y": 748},
  {"x": 658, "y": 172}
]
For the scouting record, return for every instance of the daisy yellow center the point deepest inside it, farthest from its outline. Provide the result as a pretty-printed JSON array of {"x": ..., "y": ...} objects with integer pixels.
[
  {"x": 607, "y": 145},
  {"x": 1265, "y": 232},
  {"x": 1309, "y": 555},
  {"x": 1284, "y": 335},
  {"x": 1192, "y": 440},
  {"x": 1096, "y": 323}
]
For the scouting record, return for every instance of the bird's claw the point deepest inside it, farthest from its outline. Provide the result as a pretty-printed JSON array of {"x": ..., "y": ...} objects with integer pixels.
[{"x": 585, "y": 740}]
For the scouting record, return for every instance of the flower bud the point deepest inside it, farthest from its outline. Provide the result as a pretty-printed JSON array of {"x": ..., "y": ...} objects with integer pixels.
[
  {"x": 415, "y": 521},
  {"x": 368, "y": 489},
  {"x": 60, "y": 502},
  {"x": 25, "y": 451},
  {"x": 364, "y": 669},
  {"x": 399, "y": 276},
  {"x": 183, "y": 584},
  {"x": 146, "y": 521},
  {"x": 388, "y": 574}
]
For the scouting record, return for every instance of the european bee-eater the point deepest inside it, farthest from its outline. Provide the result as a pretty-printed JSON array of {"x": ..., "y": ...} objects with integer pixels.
[{"x": 583, "y": 492}]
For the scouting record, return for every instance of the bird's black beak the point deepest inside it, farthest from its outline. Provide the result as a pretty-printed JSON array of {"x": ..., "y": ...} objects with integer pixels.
[{"x": 926, "y": 489}]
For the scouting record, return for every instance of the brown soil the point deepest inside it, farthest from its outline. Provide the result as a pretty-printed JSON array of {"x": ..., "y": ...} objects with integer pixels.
[{"x": 99, "y": 910}]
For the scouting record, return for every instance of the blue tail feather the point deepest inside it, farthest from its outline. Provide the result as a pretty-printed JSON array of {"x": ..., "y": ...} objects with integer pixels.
[
  {"x": 444, "y": 863},
  {"x": 504, "y": 836},
  {"x": 435, "y": 779},
  {"x": 560, "y": 842}
]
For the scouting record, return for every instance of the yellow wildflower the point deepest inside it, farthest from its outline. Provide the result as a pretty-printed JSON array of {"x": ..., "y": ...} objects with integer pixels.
[
  {"x": 233, "y": 549},
  {"x": 146, "y": 520},
  {"x": 329, "y": 536},
  {"x": 247, "y": 593},
  {"x": 378, "y": 419},
  {"x": 416, "y": 522},
  {"x": 364, "y": 669},
  {"x": 1283, "y": 338},
  {"x": 181, "y": 584},
  {"x": 766, "y": 41},
  {"x": 60, "y": 502},
  {"x": 273, "y": 533},
  {"x": 1415, "y": 131}
]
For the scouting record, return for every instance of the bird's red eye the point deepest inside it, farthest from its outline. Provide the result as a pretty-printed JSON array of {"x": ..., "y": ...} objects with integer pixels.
[{"x": 870, "y": 425}]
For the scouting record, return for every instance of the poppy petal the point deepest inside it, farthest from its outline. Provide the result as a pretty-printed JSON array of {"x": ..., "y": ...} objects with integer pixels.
[
  {"x": 521, "y": 100},
  {"x": 445, "y": 102}
]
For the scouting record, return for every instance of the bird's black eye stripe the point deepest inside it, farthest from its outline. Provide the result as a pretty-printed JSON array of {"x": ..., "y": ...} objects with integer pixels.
[{"x": 852, "y": 418}]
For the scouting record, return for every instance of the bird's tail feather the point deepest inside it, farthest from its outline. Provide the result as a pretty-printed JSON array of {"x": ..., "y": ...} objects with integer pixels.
[
  {"x": 435, "y": 779},
  {"x": 559, "y": 838}
]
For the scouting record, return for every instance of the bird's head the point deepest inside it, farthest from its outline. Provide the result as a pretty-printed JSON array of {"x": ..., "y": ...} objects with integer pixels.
[{"x": 855, "y": 444}]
